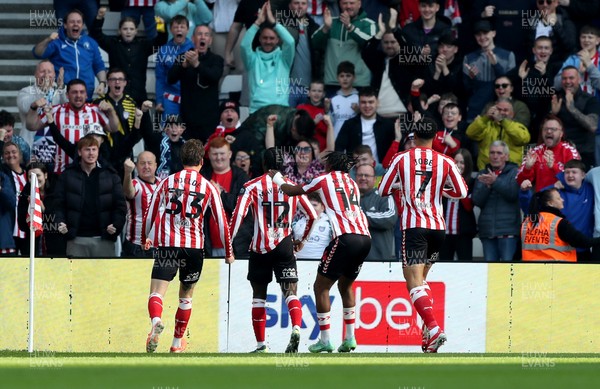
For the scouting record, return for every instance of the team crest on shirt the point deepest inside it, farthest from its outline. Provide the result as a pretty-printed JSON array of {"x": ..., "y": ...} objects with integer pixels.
[
  {"x": 86, "y": 45},
  {"x": 242, "y": 190},
  {"x": 274, "y": 234},
  {"x": 351, "y": 215},
  {"x": 321, "y": 228}
]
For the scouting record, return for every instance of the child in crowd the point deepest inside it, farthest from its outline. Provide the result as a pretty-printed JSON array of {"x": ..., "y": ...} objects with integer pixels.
[
  {"x": 344, "y": 104},
  {"x": 317, "y": 106},
  {"x": 321, "y": 233}
]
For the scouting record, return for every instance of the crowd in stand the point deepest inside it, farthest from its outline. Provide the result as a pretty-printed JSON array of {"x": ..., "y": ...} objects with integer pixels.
[{"x": 514, "y": 87}]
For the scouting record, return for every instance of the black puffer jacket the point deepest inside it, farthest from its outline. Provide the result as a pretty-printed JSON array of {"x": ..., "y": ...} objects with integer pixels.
[{"x": 70, "y": 195}]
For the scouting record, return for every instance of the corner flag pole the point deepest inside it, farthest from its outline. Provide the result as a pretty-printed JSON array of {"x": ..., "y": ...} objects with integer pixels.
[
  {"x": 228, "y": 300},
  {"x": 32, "y": 199}
]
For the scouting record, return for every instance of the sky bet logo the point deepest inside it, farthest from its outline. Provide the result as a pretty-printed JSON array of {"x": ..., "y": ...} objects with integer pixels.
[
  {"x": 384, "y": 313},
  {"x": 386, "y": 316},
  {"x": 281, "y": 316}
]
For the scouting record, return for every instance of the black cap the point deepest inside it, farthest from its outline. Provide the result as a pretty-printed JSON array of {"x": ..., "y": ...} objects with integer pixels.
[
  {"x": 448, "y": 39},
  {"x": 482, "y": 26},
  {"x": 229, "y": 104}
]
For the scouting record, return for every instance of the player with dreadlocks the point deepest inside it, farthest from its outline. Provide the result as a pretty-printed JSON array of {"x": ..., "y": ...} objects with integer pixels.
[{"x": 346, "y": 253}]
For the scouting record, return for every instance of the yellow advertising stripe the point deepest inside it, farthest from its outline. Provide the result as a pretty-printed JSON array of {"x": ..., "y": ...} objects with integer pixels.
[
  {"x": 100, "y": 306},
  {"x": 543, "y": 308}
]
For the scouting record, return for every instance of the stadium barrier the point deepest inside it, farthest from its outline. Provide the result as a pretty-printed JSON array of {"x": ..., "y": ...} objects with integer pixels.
[{"x": 100, "y": 305}]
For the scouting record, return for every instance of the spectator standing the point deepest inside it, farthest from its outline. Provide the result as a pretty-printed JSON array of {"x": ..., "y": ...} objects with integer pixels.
[
  {"x": 168, "y": 96},
  {"x": 228, "y": 180},
  {"x": 578, "y": 112},
  {"x": 542, "y": 163},
  {"x": 90, "y": 205},
  {"x": 74, "y": 51},
  {"x": 7, "y": 134},
  {"x": 545, "y": 219},
  {"x": 198, "y": 73},
  {"x": 380, "y": 212},
  {"x": 73, "y": 119},
  {"x": 368, "y": 128},
  {"x": 138, "y": 193},
  {"x": 342, "y": 38},
  {"x": 496, "y": 193},
  {"x": 7, "y": 216},
  {"x": 483, "y": 66},
  {"x": 269, "y": 65},
  {"x": 129, "y": 52},
  {"x": 13, "y": 167},
  {"x": 498, "y": 124}
]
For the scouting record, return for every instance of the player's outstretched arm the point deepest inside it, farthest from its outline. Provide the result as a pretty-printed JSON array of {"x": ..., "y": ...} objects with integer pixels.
[{"x": 288, "y": 189}]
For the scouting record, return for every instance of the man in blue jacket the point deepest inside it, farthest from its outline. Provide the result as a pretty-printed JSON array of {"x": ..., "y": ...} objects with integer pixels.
[{"x": 70, "y": 48}]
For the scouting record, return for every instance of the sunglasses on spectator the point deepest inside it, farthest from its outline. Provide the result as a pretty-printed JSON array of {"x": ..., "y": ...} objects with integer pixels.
[
  {"x": 304, "y": 150},
  {"x": 242, "y": 158},
  {"x": 503, "y": 86}
]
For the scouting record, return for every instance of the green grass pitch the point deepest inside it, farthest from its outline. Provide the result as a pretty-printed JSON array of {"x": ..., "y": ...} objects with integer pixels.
[{"x": 372, "y": 371}]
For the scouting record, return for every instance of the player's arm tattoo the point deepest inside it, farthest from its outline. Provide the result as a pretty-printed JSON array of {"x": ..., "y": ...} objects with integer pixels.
[{"x": 590, "y": 122}]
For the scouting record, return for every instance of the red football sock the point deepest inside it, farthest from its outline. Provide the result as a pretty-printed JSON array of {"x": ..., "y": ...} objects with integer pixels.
[
  {"x": 324, "y": 319},
  {"x": 155, "y": 305},
  {"x": 422, "y": 303},
  {"x": 428, "y": 290},
  {"x": 295, "y": 308},
  {"x": 182, "y": 317},
  {"x": 259, "y": 319},
  {"x": 349, "y": 319}
]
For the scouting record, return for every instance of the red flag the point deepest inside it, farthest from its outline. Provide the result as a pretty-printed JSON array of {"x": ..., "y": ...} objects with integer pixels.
[{"x": 35, "y": 207}]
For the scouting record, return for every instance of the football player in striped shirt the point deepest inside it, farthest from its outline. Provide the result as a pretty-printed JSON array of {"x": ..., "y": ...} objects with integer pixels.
[
  {"x": 423, "y": 176},
  {"x": 346, "y": 253},
  {"x": 174, "y": 224},
  {"x": 272, "y": 247},
  {"x": 138, "y": 192}
]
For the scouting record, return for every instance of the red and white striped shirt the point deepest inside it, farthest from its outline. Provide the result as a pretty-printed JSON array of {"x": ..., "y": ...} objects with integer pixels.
[
  {"x": 137, "y": 208},
  {"x": 451, "y": 216},
  {"x": 141, "y": 3},
  {"x": 73, "y": 125},
  {"x": 272, "y": 210},
  {"x": 421, "y": 174},
  {"x": 341, "y": 198},
  {"x": 175, "y": 217},
  {"x": 20, "y": 180},
  {"x": 316, "y": 7}
]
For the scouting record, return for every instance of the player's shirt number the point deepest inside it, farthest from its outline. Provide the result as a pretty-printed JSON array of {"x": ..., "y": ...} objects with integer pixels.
[
  {"x": 282, "y": 220},
  {"x": 192, "y": 209}
]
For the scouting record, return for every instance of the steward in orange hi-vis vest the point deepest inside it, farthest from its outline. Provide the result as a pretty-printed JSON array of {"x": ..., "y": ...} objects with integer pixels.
[{"x": 541, "y": 241}]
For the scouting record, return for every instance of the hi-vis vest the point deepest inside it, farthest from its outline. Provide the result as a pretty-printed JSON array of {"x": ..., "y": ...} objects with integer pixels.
[{"x": 542, "y": 243}]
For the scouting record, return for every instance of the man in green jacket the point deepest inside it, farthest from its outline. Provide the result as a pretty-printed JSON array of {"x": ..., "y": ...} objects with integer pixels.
[{"x": 343, "y": 38}]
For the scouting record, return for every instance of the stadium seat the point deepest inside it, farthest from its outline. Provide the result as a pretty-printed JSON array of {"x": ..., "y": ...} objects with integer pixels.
[{"x": 231, "y": 83}]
